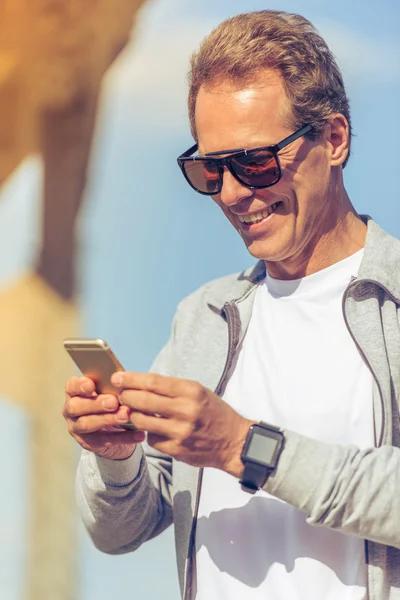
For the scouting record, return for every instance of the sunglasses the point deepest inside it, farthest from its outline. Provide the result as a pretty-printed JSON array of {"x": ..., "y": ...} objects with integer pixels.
[{"x": 256, "y": 169}]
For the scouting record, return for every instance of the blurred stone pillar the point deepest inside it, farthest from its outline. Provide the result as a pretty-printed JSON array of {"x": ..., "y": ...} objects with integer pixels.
[{"x": 53, "y": 54}]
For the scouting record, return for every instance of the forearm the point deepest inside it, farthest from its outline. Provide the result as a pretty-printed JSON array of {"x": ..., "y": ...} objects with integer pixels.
[
  {"x": 351, "y": 490},
  {"x": 123, "y": 503}
]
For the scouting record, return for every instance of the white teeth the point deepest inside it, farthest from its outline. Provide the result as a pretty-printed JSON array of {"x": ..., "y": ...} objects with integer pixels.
[
  {"x": 256, "y": 217},
  {"x": 272, "y": 208}
]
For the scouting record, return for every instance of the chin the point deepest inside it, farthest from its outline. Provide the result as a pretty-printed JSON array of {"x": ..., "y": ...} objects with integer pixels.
[{"x": 265, "y": 251}]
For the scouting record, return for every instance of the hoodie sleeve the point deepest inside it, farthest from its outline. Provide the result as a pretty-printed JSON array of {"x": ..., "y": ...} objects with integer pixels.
[
  {"x": 124, "y": 503},
  {"x": 342, "y": 487}
]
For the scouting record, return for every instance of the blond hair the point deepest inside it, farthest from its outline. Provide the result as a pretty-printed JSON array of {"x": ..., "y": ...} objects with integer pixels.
[{"x": 241, "y": 47}]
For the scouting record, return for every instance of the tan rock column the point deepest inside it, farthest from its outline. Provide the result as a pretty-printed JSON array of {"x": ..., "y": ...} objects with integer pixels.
[{"x": 53, "y": 54}]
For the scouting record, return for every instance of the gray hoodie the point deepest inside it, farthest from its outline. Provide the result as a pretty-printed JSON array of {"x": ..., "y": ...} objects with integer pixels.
[{"x": 124, "y": 503}]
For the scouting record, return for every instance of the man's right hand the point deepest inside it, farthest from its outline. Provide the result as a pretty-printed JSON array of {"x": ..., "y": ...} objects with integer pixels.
[{"x": 94, "y": 420}]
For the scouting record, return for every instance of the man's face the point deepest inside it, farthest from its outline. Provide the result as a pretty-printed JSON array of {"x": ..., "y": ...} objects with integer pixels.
[{"x": 298, "y": 205}]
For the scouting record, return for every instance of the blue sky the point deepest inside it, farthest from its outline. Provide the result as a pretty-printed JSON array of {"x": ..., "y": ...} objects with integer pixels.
[{"x": 146, "y": 240}]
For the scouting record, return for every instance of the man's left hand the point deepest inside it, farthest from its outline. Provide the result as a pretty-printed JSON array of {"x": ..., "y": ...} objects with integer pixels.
[{"x": 185, "y": 420}]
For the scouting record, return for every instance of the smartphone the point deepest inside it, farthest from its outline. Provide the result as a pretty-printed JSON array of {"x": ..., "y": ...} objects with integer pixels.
[{"x": 96, "y": 360}]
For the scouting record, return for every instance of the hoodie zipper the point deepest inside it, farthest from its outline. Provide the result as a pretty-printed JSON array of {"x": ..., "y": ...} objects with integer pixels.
[
  {"x": 354, "y": 283},
  {"x": 379, "y": 442},
  {"x": 231, "y": 314}
]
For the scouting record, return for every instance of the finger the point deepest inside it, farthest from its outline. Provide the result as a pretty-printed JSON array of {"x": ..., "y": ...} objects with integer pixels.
[
  {"x": 152, "y": 382},
  {"x": 154, "y": 425},
  {"x": 91, "y": 423},
  {"x": 159, "y": 442},
  {"x": 98, "y": 440},
  {"x": 77, "y": 406},
  {"x": 76, "y": 386},
  {"x": 153, "y": 404}
]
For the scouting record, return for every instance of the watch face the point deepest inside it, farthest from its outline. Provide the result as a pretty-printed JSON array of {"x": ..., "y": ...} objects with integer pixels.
[
  {"x": 261, "y": 449},
  {"x": 262, "y": 446}
]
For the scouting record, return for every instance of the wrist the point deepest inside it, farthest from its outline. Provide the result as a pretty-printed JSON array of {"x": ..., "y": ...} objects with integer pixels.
[
  {"x": 235, "y": 464},
  {"x": 115, "y": 453},
  {"x": 127, "y": 455}
]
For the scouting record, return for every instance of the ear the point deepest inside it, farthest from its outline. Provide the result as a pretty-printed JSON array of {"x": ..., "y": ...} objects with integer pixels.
[{"x": 338, "y": 138}]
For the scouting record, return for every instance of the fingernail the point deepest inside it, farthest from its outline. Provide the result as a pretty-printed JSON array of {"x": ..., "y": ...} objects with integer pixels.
[
  {"x": 85, "y": 388},
  {"x": 117, "y": 380},
  {"x": 109, "y": 403},
  {"x": 122, "y": 416}
]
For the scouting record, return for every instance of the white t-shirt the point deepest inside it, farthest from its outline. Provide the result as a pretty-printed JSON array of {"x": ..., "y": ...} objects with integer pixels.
[{"x": 299, "y": 369}]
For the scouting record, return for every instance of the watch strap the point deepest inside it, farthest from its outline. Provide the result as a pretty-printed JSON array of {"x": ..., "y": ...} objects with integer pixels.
[{"x": 254, "y": 477}]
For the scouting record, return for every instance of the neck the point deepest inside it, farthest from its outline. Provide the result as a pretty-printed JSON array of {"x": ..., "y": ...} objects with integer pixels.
[{"x": 340, "y": 235}]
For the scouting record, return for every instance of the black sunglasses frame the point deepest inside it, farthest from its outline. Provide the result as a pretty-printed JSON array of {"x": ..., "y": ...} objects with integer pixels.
[{"x": 237, "y": 153}]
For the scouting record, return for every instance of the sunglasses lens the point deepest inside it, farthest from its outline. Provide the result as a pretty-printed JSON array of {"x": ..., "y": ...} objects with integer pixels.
[
  {"x": 203, "y": 175},
  {"x": 257, "y": 168}
]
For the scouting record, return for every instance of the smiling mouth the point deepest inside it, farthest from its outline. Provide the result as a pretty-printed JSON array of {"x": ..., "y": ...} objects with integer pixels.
[{"x": 260, "y": 216}]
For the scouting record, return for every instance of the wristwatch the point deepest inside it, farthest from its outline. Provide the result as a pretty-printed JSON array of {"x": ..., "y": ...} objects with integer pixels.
[{"x": 260, "y": 455}]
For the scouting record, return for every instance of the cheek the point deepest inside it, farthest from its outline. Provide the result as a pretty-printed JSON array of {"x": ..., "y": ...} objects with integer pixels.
[{"x": 307, "y": 187}]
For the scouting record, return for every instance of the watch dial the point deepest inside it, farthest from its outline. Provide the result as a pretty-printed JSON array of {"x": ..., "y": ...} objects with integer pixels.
[{"x": 261, "y": 448}]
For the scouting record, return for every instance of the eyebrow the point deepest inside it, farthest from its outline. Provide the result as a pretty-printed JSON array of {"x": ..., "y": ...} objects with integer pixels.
[{"x": 230, "y": 151}]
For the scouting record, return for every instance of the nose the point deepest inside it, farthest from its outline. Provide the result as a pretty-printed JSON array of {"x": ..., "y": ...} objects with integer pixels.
[{"x": 232, "y": 190}]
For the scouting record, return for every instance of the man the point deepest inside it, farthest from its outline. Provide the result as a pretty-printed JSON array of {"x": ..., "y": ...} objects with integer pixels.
[{"x": 272, "y": 414}]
